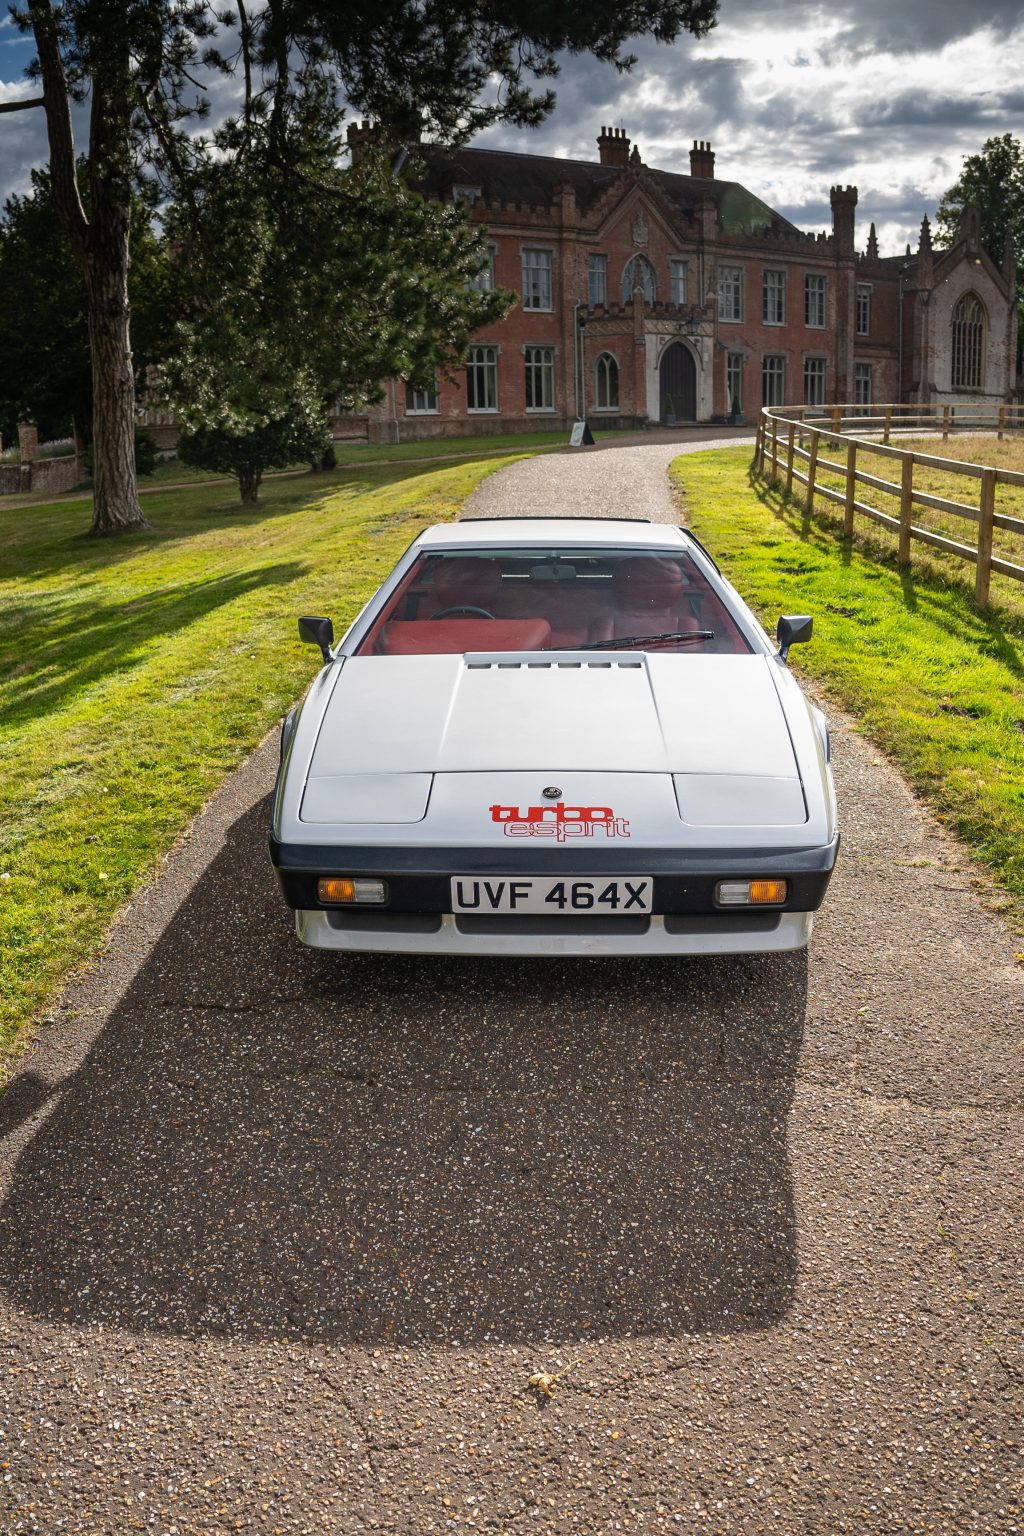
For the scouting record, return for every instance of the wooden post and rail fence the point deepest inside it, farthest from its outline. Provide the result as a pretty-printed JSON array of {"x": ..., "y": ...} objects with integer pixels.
[{"x": 838, "y": 439}]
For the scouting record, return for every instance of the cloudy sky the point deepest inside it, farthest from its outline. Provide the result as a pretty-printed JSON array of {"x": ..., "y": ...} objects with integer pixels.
[{"x": 794, "y": 96}]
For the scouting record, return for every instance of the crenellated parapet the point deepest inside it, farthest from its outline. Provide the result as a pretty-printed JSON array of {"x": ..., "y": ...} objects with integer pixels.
[
  {"x": 498, "y": 211},
  {"x": 783, "y": 241}
]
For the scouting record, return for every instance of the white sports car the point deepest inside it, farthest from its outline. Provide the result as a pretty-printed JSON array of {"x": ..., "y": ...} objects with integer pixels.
[{"x": 554, "y": 736}]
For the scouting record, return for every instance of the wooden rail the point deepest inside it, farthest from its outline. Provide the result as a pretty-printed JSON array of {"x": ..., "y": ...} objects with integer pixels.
[{"x": 836, "y": 439}]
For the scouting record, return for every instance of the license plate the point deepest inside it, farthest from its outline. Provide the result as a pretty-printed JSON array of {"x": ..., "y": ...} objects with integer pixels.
[{"x": 494, "y": 893}]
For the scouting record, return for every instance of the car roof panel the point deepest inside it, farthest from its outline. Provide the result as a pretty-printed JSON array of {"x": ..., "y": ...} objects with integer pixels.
[{"x": 516, "y": 531}]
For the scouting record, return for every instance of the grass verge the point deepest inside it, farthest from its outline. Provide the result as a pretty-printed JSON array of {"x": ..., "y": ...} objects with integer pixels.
[
  {"x": 453, "y": 447},
  {"x": 135, "y": 673},
  {"x": 353, "y": 455},
  {"x": 973, "y": 449},
  {"x": 938, "y": 684}
]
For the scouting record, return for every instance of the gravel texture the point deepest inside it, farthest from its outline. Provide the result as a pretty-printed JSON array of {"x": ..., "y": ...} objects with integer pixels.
[
  {"x": 612, "y": 479},
  {"x": 285, "y": 1235}
]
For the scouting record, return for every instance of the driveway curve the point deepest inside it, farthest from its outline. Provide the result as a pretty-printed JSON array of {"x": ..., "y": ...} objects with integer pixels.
[
  {"x": 285, "y": 1237},
  {"x": 611, "y": 479}
]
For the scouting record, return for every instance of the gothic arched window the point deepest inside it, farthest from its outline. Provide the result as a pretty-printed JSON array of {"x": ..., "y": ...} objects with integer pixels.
[
  {"x": 638, "y": 273},
  {"x": 968, "y": 342},
  {"x": 607, "y": 382}
]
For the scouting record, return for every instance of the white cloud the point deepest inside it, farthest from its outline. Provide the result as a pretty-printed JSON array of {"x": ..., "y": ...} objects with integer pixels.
[{"x": 795, "y": 95}]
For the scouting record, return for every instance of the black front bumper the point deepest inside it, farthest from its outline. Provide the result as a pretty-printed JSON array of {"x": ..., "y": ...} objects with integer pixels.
[{"x": 684, "y": 880}]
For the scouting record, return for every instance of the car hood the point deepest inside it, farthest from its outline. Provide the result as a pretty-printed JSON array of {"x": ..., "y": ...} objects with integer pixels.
[{"x": 678, "y": 714}]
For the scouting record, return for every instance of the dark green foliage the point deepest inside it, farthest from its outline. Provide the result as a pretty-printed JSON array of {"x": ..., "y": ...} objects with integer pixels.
[
  {"x": 145, "y": 452},
  {"x": 994, "y": 179},
  {"x": 301, "y": 283},
  {"x": 44, "y": 339},
  {"x": 426, "y": 64},
  {"x": 45, "y": 370},
  {"x": 248, "y": 450},
  {"x": 347, "y": 283}
]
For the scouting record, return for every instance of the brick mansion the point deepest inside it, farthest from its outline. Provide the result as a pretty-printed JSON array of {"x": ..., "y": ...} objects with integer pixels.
[{"x": 654, "y": 295}]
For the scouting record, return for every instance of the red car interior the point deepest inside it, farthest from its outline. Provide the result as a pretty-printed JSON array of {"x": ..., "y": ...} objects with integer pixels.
[
  {"x": 427, "y": 637},
  {"x": 454, "y": 604}
]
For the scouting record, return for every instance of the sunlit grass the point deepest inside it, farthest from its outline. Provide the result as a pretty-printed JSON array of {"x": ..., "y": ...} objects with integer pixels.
[
  {"x": 934, "y": 681},
  {"x": 135, "y": 673},
  {"x": 966, "y": 489}
]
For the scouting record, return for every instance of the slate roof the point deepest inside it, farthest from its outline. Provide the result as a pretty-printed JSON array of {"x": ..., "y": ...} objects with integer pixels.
[{"x": 512, "y": 178}]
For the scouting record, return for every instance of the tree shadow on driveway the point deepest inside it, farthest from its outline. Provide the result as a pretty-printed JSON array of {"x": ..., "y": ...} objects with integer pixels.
[{"x": 267, "y": 1142}]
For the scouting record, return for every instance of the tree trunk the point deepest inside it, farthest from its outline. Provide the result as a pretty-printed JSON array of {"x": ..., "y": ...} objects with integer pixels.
[
  {"x": 115, "y": 497},
  {"x": 249, "y": 484},
  {"x": 101, "y": 243}
]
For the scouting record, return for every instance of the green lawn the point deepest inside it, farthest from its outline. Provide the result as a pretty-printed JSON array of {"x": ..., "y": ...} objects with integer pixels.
[
  {"x": 936, "y": 683},
  {"x": 352, "y": 455},
  {"x": 442, "y": 447},
  {"x": 135, "y": 673}
]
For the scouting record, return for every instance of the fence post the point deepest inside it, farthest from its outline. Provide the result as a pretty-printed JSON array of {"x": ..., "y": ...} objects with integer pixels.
[
  {"x": 987, "y": 510},
  {"x": 837, "y": 420},
  {"x": 775, "y": 448},
  {"x": 906, "y": 507},
  {"x": 851, "y": 487},
  {"x": 812, "y": 469},
  {"x": 945, "y": 423},
  {"x": 1001, "y": 422},
  {"x": 888, "y": 424},
  {"x": 789, "y": 457}
]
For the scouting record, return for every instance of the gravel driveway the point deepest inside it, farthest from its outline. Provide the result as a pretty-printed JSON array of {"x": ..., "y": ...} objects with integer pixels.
[
  {"x": 615, "y": 478},
  {"x": 284, "y": 1235}
]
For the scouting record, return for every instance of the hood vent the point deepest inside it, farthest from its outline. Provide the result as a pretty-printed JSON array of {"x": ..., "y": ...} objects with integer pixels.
[{"x": 570, "y": 662}]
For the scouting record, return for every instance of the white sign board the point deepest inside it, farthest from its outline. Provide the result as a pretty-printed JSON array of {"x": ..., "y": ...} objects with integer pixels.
[{"x": 578, "y": 429}]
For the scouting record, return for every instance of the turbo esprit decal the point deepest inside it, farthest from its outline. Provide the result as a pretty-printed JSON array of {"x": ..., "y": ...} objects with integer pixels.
[{"x": 559, "y": 821}]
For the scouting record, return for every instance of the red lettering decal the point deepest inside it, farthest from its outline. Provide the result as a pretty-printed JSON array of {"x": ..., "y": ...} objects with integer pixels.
[
  {"x": 569, "y": 821},
  {"x": 574, "y": 829}
]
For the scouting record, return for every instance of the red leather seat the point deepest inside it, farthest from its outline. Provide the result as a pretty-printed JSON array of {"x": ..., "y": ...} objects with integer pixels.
[
  {"x": 647, "y": 584},
  {"x": 650, "y": 599},
  {"x": 456, "y": 636},
  {"x": 466, "y": 581}
]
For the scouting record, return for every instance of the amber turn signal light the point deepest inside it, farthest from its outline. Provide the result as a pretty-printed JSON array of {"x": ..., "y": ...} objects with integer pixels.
[
  {"x": 768, "y": 891},
  {"x": 341, "y": 890},
  {"x": 751, "y": 893}
]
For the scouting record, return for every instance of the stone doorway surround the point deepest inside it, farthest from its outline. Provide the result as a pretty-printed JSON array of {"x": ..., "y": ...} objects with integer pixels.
[{"x": 659, "y": 335}]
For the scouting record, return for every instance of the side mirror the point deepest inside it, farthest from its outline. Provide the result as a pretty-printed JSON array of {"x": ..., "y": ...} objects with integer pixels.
[
  {"x": 793, "y": 629},
  {"x": 318, "y": 632}
]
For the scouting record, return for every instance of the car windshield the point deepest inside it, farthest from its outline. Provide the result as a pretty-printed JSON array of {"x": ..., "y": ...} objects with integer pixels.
[{"x": 553, "y": 599}]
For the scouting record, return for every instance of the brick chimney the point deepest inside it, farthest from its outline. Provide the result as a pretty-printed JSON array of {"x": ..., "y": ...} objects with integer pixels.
[
  {"x": 702, "y": 160},
  {"x": 613, "y": 146},
  {"x": 844, "y": 204}
]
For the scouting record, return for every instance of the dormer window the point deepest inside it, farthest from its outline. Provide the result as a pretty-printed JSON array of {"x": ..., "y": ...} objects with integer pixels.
[{"x": 462, "y": 192}]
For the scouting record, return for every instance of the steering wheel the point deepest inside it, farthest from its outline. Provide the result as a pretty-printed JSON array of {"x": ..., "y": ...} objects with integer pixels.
[{"x": 446, "y": 613}]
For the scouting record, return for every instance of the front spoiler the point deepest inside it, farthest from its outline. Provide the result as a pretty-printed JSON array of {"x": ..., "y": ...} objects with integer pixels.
[
  {"x": 418, "y": 877},
  {"x": 555, "y": 937}
]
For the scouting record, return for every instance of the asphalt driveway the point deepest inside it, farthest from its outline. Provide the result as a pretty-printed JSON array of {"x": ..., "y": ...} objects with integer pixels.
[{"x": 285, "y": 1235}]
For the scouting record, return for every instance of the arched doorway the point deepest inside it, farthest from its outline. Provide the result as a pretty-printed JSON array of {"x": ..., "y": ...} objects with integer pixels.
[{"x": 678, "y": 378}]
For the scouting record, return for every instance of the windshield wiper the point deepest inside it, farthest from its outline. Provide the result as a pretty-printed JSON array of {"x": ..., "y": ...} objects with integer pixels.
[{"x": 626, "y": 642}]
